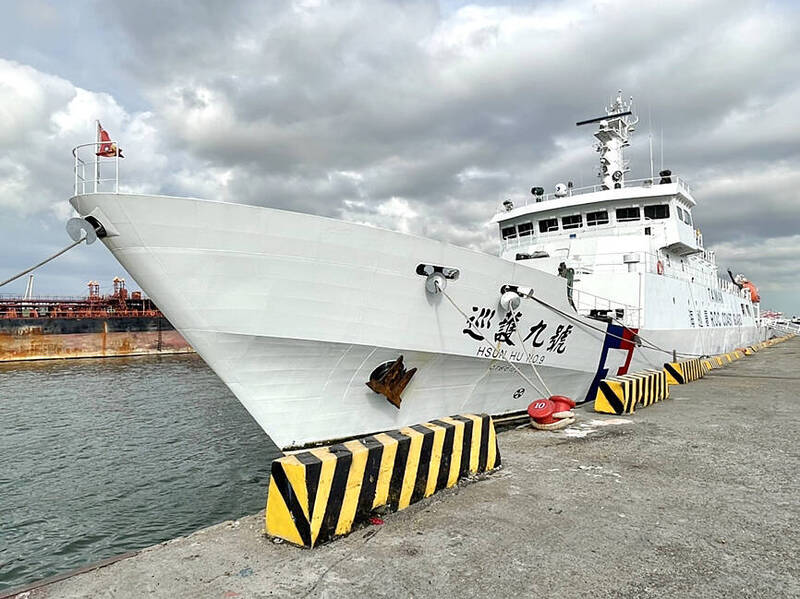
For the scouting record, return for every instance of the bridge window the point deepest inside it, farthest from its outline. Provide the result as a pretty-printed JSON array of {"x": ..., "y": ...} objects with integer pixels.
[
  {"x": 596, "y": 218},
  {"x": 571, "y": 222},
  {"x": 658, "y": 211},
  {"x": 548, "y": 224},
  {"x": 627, "y": 214},
  {"x": 525, "y": 229},
  {"x": 509, "y": 232},
  {"x": 687, "y": 217}
]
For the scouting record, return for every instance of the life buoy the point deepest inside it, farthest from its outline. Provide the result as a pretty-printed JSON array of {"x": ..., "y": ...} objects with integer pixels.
[{"x": 660, "y": 267}]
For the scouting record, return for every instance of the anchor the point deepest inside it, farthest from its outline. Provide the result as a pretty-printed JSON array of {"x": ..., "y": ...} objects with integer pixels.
[{"x": 390, "y": 379}]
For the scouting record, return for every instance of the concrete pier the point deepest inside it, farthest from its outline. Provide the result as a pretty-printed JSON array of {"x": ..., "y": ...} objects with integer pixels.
[{"x": 695, "y": 496}]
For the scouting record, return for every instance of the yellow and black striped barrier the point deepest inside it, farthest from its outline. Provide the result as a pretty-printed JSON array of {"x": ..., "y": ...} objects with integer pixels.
[
  {"x": 621, "y": 394},
  {"x": 684, "y": 371},
  {"x": 713, "y": 362},
  {"x": 320, "y": 494}
]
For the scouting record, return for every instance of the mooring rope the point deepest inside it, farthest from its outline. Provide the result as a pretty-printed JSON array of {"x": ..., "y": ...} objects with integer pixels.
[
  {"x": 564, "y": 419},
  {"x": 648, "y": 344},
  {"x": 530, "y": 361},
  {"x": 490, "y": 346},
  {"x": 43, "y": 262}
]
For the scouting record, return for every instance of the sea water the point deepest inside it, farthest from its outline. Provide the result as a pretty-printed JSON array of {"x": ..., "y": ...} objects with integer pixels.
[{"x": 100, "y": 457}]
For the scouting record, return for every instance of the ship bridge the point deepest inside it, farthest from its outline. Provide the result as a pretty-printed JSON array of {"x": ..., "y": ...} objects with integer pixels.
[
  {"x": 661, "y": 211},
  {"x": 615, "y": 234}
]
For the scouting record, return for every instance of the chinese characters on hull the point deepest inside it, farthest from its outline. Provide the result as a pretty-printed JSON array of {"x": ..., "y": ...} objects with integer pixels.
[
  {"x": 481, "y": 319},
  {"x": 507, "y": 327},
  {"x": 559, "y": 339},
  {"x": 479, "y": 327},
  {"x": 713, "y": 318}
]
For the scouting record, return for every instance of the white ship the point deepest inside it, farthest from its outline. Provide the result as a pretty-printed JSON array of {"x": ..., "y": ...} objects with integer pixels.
[{"x": 298, "y": 313}]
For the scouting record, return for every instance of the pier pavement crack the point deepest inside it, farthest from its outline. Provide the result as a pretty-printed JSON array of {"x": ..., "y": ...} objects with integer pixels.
[{"x": 337, "y": 562}]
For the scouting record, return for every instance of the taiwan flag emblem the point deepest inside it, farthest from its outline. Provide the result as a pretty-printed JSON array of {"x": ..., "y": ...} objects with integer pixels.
[{"x": 108, "y": 149}]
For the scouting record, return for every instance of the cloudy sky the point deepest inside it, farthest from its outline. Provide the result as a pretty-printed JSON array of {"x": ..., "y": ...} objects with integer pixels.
[{"x": 419, "y": 116}]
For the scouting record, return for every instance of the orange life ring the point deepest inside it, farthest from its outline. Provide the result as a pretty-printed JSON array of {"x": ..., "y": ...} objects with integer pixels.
[{"x": 660, "y": 267}]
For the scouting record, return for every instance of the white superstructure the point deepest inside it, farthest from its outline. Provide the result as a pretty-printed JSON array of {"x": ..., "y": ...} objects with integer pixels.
[
  {"x": 298, "y": 313},
  {"x": 633, "y": 245}
]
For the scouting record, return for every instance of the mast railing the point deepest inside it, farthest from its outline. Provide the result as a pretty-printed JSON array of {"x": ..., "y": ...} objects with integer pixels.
[
  {"x": 647, "y": 182},
  {"x": 86, "y": 159}
]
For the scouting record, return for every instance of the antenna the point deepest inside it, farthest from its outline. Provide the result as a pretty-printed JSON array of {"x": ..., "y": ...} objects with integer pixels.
[
  {"x": 603, "y": 118},
  {"x": 662, "y": 147},
  {"x": 650, "y": 137}
]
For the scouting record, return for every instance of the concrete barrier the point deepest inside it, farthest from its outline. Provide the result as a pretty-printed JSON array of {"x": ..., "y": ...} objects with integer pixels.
[
  {"x": 322, "y": 493},
  {"x": 714, "y": 362},
  {"x": 621, "y": 394},
  {"x": 684, "y": 371}
]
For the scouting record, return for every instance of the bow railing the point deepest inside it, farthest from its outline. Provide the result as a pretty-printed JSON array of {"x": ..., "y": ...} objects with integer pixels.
[{"x": 93, "y": 173}]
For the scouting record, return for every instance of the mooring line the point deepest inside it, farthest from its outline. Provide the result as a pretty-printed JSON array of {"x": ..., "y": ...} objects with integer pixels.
[
  {"x": 43, "y": 262},
  {"x": 648, "y": 344},
  {"x": 527, "y": 355},
  {"x": 470, "y": 325}
]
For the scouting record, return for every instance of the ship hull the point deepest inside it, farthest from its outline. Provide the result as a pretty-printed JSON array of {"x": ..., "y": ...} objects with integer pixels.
[
  {"x": 294, "y": 312},
  {"x": 59, "y": 338}
]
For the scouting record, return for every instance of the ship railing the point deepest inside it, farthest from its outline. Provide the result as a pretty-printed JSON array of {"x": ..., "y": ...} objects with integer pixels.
[
  {"x": 590, "y": 304},
  {"x": 782, "y": 325},
  {"x": 648, "y": 262},
  {"x": 685, "y": 270},
  {"x": 647, "y": 182},
  {"x": 42, "y": 298},
  {"x": 89, "y": 169}
]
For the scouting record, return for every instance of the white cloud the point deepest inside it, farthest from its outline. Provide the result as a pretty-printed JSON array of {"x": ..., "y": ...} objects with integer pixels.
[
  {"x": 27, "y": 100},
  {"x": 769, "y": 263}
]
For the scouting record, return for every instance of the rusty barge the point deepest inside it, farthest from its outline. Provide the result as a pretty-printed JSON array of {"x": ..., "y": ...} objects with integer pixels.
[{"x": 95, "y": 326}]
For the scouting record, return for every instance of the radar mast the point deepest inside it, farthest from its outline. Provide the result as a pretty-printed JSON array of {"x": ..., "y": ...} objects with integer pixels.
[{"x": 613, "y": 134}]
